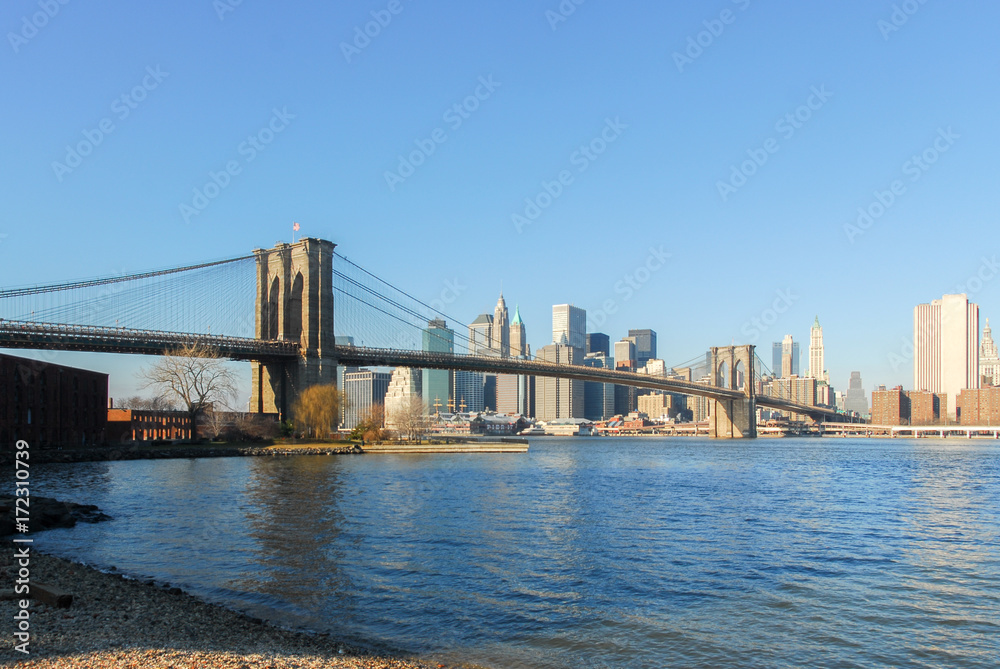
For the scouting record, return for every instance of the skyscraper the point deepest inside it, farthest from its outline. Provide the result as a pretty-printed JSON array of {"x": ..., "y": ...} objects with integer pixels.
[
  {"x": 481, "y": 334},
  {"x": 787, "y": 350},
  {"x": 501, "y": 328},
  {"x": 598, "y": 342},
  {"x": 599, "y": 398},
  {"x": 645, "y": 345},
  {"x": 625, "y": 354},
  {"x": 989, "y": 362},
  {"x": 436, "y": 383},
  {"x": 946, "y": 347},
  {"x": 816, "y": 362},
  {"x": 777, "y": 351},
  {"x": 559, "y": 398},
  {"x": 854, "y": 399},
  {"x": 518, "y": 336},
  {"x": 569, "y": 326},
  {"x": 403, "y": 387},
  {"x": 363, "y": 389}
]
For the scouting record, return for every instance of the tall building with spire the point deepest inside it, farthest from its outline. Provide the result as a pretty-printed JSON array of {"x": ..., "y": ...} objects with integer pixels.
[
  {"x": 501, "y": 328},
  {"x": 518, "y": 336},
  {"x": 816, "y": 362},
  {"x": 989, "y": 362}
]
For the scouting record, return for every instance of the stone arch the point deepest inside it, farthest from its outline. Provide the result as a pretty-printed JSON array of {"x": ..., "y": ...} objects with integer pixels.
[
  {"x": 722, "y": 377},
  {"x": 293, "y": 311},
  {"x": 739, "y": 375},
  {"x": 273, "y": 305}
]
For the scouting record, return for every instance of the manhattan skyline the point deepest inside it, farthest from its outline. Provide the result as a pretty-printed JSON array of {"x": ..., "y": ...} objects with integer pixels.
[{"x": 689, "y": 195}]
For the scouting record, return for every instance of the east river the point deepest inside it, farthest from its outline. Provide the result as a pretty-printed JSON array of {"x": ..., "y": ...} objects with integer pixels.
[{"x": 583, "y": 552}]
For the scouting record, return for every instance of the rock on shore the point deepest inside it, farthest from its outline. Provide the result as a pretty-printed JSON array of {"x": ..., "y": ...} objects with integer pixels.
[
  {"x": 45, "y": 513},
  {"x": 117, "y": 622}
]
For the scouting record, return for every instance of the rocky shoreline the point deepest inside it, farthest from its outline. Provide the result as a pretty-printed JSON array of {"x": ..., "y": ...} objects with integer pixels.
[
  {"x": 107, "y": 453},
  {"x": 119, "y": 622}
]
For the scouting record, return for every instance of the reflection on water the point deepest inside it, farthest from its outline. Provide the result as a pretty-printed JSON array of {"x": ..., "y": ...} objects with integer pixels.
[{"x": 584, "y": 552}]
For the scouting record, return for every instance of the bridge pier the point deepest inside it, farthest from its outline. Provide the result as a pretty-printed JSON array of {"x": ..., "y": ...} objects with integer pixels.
[
  {"x": 733, "y": 367},
  {"x": 294, "y": 303}
]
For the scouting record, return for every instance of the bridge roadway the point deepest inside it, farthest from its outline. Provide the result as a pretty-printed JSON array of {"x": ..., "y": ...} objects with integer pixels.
[{"x": 55, "y": 336}]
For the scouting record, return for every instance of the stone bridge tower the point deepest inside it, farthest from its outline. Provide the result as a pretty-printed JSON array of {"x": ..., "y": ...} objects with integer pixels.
[
  {"x": 733, "y": 367},
  {"x": 294, "y": 303}
]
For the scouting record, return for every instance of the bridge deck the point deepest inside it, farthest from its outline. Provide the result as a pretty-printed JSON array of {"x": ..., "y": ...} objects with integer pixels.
[{"x": 55, "y": 336}]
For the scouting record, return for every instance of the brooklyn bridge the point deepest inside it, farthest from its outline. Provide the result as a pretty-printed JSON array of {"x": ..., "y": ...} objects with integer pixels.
[{"x": 280, "y": 308}]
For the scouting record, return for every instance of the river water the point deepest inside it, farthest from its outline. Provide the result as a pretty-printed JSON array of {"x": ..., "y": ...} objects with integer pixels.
[{"x": 583, "y": 552}]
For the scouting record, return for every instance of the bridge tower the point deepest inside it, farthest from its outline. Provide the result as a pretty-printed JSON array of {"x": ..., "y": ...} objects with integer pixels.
[
  {"x": 733, "y": 367},
  {"x": 294, "y": 303}
]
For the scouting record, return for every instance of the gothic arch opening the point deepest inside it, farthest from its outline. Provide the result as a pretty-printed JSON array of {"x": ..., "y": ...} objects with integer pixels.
[
  {"x": 739, "y": 375},
  {"x": 271, "y": 314},
  {"x": 722, "y": 378},
  {"x": 293, "y": 327}
]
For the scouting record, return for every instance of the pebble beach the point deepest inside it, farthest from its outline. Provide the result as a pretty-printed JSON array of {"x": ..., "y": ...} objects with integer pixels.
[{"x": 119, "y": 622}]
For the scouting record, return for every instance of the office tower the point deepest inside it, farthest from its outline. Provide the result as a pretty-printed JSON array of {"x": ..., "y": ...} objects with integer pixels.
[
  {"x": 342, "y": 340},
  {"x": 855, "y": 400},
  {"x": 469, "y": 391},
  {"x": 559, "y": 398},
  {"x": 777, "y": 354},
  {"x": 645, "y": 345},
  {"x": 518, "y": 336},
  {"x": 787, "y": 350},
  {"x": 480, "y": 334},
  {"x": 403, "y": 387},
  {"x": 436, "y": 383},
  {"x": 946, "y": 347},
  {"x": 816, "y": 362},
  {"x": 989, "y": 362},
  {"x": 363, "y": 389},
  {"x": 625, "y": 354},
  {"x": 501, "y": 328},
  {"x": 569, "y": 326},
  {"x": 598, "y": 342},
  {"x": 599, "y": 398}
]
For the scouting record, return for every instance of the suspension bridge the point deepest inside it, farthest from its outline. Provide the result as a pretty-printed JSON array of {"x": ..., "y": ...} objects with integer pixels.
[{"x": 275, "y": 308}]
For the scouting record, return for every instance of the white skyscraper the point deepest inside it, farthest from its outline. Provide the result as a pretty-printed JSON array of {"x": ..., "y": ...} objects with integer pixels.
[
  {"x": 816, "y": 362},
  {"x": 946, "y": 347},
  {"x": 569, "y": 322}
]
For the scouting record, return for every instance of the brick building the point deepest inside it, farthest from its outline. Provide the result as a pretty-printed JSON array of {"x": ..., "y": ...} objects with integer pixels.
[
  {"x": 126, "y": 425},
  {"x": 51, "y": 405},
  {"x": 979, "y": 406}
]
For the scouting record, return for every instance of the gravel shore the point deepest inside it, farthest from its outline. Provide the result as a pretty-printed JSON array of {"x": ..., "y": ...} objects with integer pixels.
[{"x": 118, "y": 622}]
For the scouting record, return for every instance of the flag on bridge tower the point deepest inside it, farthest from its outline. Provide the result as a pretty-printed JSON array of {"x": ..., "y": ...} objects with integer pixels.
[{"x": 295, "y": 228}]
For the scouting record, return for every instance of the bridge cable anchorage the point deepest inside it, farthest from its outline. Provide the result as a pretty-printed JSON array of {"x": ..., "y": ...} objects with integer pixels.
[{"x": 101, "y": 281}]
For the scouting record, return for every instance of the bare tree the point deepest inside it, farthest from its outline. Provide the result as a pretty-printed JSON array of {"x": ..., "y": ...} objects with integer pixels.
[
  {"x": 139, "y": 403},
  {"x": 372, "y": 423},
  {"x": 194, "y": 375},
  {"x": 408, "y": 417},
  {"x": 317, "y": 410}
]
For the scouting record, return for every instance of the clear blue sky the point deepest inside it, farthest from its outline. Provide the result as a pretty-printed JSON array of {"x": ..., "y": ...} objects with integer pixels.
[{"x": 677, "y": 125}]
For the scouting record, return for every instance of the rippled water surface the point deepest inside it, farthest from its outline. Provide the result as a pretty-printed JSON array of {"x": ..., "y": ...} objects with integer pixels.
[{"x": 583, "y": 552}]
